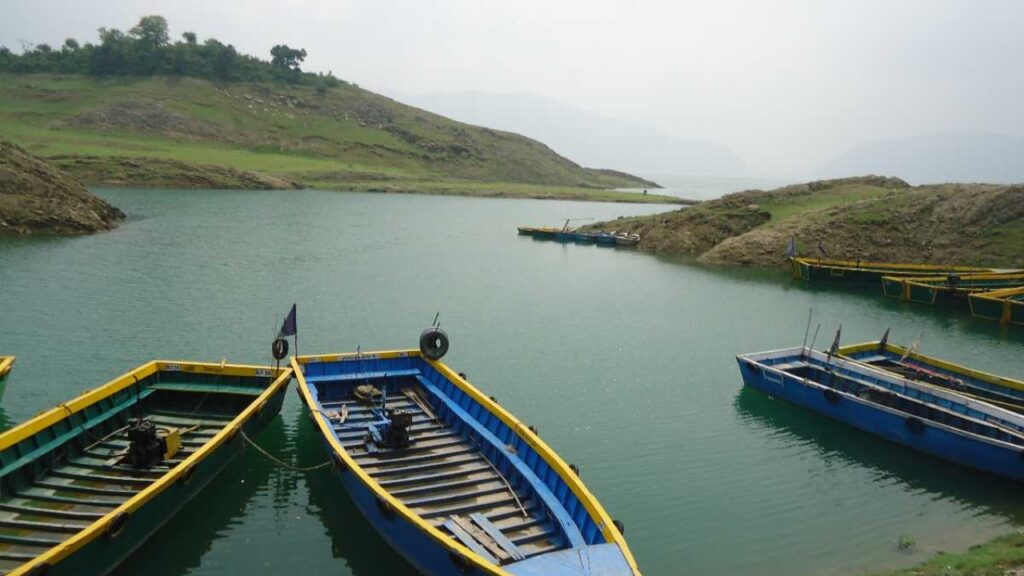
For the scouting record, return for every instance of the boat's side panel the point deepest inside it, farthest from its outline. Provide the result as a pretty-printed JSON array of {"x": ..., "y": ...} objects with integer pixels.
[
  {"x": 575, "y": 495},
  {"x": 103, "y": 554},
  {"x": 94, "y": 550},
  {"x": 926, "y": 436}
]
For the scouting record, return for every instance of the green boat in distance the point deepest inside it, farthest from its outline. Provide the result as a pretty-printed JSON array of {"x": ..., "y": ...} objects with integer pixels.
[
  {"x": 948, "y": 288},
  {"x": 84, "y": 484},
  {"x": 1006, "y": 306},
  {"x": 863, "y": 272}
]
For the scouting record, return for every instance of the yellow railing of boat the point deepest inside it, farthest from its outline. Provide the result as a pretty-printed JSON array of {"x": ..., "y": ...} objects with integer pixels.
[
  {"x": 867, "y": 266},
  {"x": 6, "y": 362}
]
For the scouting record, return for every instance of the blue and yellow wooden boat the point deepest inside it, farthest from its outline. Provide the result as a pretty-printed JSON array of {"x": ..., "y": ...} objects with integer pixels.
[
  {"x": 84, "y": 484},
  {"x": 912, "y": 365},
  {"x": 1006, "y": 306},
  {"x": 6, "y": 363},
  {"x": 451, "y": 480},
  {"x": 933, "y": 420},
  {"x": 948, "y": 288},
  {"x": 862, "y": 272}
]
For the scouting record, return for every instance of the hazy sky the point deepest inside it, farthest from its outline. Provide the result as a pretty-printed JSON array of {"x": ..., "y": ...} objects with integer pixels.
[{"x": 786, "y": 84}]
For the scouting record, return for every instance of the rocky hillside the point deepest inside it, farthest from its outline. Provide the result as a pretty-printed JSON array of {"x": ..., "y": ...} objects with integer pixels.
[
  {"x": 868, "y": 218},
  {"x": 162, "y": 173},
  {"x": 343, "y": 137},
  {"x": 37, "y": 197}
]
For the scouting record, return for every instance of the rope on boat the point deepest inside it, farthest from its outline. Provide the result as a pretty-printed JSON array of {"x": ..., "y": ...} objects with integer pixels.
[{"x": 281, "y": 463}]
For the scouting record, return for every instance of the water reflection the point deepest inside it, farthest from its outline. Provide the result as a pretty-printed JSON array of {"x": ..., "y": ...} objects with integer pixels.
[
  {"x": 352, "y": 537},
  {"x": 985, "y": 493},
  {"x": 181, "y": 544}
]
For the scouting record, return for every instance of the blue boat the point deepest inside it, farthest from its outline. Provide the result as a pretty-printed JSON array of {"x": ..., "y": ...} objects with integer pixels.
[
  {"x": 930, "y": 419},
  {"x": 911, "y": 364},
  {"x": 452, "y": 481}
]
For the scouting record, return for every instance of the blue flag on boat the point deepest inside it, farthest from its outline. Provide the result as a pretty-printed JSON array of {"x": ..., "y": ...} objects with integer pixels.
[
  {"x": 289, "y": 327},
  {"x": 791, "y": 249},
  {"x": 821, "y": 249}
]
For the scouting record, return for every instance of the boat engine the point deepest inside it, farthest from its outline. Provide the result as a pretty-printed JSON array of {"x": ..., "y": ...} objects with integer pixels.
[
  {"x": 390, "y": 431},
  {"x": 397, "y": 433},
  {"x": 145, "y": 448}
]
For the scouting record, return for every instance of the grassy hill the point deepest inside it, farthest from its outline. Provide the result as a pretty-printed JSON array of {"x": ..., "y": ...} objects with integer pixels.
[
  {"x": 868, "y": 218},
  {"x": 340, "y": 138}
]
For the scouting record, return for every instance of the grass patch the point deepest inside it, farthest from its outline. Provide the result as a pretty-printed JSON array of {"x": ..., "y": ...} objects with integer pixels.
[
  {"x": 784, "y": 206},
  {"x": 1000, "y": 557}
]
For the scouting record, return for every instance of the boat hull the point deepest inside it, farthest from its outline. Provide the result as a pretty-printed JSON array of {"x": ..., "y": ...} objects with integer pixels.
[
  {"x": 891, "y": 425},
  {"x": 102, "y": 555},
  {"x": 1005, "y": 306},
  {"x": 210, "y": 405},
  {"x": 581, "y": 539}
]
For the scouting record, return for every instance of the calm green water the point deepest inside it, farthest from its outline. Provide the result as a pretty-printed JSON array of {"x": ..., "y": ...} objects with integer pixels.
[{"x": 625, "y": 362}]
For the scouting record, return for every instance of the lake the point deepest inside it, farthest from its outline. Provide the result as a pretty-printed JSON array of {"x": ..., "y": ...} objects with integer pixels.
[{"x": 625, "y": 362}]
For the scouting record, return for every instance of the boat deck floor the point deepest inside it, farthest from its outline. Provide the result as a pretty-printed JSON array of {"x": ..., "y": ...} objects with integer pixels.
[
  {"x": 84, "y": 488},
  {"x": 445, "y": 479}
]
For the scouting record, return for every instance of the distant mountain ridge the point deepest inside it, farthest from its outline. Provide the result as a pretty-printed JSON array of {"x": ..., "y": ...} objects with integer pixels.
[
  {"x": 938, "y": 158},
  {"x": 589, "y": 138}
]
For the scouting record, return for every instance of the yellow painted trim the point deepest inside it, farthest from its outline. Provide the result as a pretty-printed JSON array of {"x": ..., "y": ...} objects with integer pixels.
[
  {"x": 588, "y": 500},
  {"x": 6, "y": 363},
  {"x": 847, "y": 351},
  {"x": 1003, "y": 297},
  {"x": 883, "y": 266},
  {"x": 96, "y": 529}
]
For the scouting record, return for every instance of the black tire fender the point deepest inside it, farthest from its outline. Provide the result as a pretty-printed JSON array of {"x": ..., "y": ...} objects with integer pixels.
[{"x": 434, "y": 343}]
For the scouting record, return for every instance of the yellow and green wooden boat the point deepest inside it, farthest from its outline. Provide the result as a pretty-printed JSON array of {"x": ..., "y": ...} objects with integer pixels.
[
  {"x": 912, "y": 365},
  {"x": 6, "y": 363},
  {"x": 84, "y": 484},
  {"x": 863, "y": 272},
  {"x": 951, "y": 287},
  {"x": 1006, "y": 306}
]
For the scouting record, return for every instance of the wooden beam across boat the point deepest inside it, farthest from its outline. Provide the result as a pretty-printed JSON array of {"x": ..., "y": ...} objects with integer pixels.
[{"x": 70, "y": 502}]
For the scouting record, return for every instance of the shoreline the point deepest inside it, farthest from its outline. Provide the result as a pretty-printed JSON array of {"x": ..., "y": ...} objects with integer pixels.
[{"x": 869, "y": 218}]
